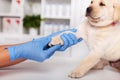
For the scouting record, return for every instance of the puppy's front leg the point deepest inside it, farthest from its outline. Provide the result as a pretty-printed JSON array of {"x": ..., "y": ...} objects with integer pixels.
[
  {"x": 57, "y": 39},
  {"x": 89, "y": 62}
]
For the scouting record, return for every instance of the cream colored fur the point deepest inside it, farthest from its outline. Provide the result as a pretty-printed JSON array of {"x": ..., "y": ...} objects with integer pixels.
[{"x": 102, "y": 38}]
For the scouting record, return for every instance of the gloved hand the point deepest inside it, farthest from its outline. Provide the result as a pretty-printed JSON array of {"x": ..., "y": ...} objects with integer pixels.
[
  {"x": 38, "y": 49},
  {"x": 69, "y": 39}
]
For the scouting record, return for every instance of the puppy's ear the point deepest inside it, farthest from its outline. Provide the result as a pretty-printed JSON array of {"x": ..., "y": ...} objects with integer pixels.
[{"x": 116, "y": 15}]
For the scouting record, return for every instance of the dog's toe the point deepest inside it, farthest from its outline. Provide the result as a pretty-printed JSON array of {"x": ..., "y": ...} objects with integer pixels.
[{"x": 76, "y": 75}]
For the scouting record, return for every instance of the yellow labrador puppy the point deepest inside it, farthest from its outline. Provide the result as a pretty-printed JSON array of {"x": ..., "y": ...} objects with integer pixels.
[{"x": 101, "y": 32}]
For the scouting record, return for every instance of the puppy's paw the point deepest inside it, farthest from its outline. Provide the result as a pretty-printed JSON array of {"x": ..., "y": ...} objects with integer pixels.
[
  {"x": 76, "y": 74},
  {"x": 56, "y": 40}
]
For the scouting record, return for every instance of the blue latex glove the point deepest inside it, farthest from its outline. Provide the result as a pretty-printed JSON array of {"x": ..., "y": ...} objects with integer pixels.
[
  {"x": 69, "y": 40},
  {"x": 38, "y": 49}
]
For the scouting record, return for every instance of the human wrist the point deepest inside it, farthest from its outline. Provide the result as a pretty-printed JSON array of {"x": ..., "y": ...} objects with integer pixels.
[{"x": 14, "y": 53}]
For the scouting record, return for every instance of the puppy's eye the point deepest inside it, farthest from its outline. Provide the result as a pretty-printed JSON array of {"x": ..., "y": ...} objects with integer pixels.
[
  {"x": 102, "y": 4},
  {"x": 91, "y": 2}
]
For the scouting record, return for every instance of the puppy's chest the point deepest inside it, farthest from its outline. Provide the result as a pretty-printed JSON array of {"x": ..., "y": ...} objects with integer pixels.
[
  {"x": 108, "y": 41},
  {"x": 98, "y": 37}
]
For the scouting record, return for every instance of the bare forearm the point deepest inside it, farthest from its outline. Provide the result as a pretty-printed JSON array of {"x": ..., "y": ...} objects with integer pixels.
[{"x": 5, "y": 58}]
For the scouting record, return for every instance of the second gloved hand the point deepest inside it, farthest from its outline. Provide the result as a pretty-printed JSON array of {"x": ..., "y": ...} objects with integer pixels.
[{"x": 69, "y": 40}]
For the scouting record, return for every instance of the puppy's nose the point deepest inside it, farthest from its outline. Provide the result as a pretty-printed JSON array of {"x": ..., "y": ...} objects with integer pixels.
[{"x": 89, "y": 9}]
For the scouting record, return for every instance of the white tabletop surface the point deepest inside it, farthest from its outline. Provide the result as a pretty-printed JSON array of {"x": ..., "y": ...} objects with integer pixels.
[{"x": 56, "y": 68}]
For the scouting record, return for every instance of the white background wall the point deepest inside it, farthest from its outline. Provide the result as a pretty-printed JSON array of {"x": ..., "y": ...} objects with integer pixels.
[
  {"x": 3, "y": 5},
  {"x": 32, "y": 7},
  {"x": 78, "y": 11},
  {"x": 80, "y": 50}
]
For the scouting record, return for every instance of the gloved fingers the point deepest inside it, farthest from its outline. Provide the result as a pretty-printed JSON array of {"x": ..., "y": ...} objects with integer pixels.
[
  {"x": 73, "y": 38},
  {"x": 73, "y": 30},
  {"x": 69, "y": 39},
  {"x": 66, "y": 43},
  {"x": 37, "y": 39},
  {"x": 56, "y": 33},
  {"x": 45, "y": 41}
]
